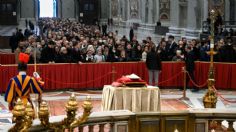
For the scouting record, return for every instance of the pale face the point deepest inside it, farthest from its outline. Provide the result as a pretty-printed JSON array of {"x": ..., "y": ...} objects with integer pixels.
[
  {"x": 99, "y": 52},
  {"x": 129, "y": 46},
  {"x": 146, "y": 49}
]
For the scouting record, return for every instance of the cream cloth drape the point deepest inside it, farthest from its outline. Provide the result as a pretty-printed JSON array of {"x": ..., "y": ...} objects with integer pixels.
[{"x": 134, "y": 99}]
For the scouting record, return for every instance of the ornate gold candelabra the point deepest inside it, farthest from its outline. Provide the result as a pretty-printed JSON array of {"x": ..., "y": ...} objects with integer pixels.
[
  {"x": 210, "y": 98},
  {"x": 23, "y": 116}
]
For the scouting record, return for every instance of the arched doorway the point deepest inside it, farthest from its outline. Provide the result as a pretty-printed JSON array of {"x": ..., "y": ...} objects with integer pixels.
[{"x": 48, "y": 8}]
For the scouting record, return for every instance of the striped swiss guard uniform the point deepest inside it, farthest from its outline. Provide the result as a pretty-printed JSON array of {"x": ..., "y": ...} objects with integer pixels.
[{"x": 21, "y": 86}]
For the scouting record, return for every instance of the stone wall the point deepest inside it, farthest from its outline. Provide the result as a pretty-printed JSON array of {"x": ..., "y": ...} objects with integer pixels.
[
  {"x": 68, "y": 8},
  {"x": 27, "y": 9}
]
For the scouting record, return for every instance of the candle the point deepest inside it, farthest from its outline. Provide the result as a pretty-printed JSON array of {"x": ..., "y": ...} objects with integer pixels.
[
  {"x": 176, "y": 130},
  {"x": 212, "y": 46}
]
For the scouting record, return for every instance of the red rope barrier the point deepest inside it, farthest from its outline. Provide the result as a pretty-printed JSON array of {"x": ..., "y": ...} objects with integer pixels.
[
  {"x": 176, "y": 75},
  {"x": 53, "y": 81},
  {"x": 195, "y": 84},
  {"x": 226, "y": 100}
]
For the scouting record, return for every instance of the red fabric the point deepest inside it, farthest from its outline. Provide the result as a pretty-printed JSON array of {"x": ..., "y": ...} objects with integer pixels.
[
  {"x": 124, "y": 79},
  {"x": 7, "y": 59},
  {"x": 23, "y": 58},
  {"x": 170, "y": 69},
  {"x": 79, "y": 76}
]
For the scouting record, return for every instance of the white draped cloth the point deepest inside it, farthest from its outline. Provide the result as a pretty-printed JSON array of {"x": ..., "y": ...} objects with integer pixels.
[{"x": 136, "y": 99}]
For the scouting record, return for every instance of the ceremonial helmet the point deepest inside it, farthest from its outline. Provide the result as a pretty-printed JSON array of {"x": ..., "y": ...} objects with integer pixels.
[{"x": 23, "y": 61}]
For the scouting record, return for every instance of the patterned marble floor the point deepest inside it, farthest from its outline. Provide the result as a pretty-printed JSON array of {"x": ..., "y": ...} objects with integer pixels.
[{"x": 170, "y": 101}]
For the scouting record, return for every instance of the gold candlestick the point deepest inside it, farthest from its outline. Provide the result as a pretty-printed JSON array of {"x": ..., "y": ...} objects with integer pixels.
[{"x": 210, "y": 98}]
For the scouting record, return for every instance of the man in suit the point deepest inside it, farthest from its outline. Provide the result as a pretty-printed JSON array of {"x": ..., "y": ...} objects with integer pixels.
[{"x": 171, "y": 47}]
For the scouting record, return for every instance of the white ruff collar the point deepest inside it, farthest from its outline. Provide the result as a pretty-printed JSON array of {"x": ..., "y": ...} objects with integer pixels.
[{"x": 22, "y": 73}]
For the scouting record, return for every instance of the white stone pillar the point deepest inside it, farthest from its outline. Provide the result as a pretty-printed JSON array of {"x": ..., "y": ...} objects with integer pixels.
[
  {"x": 103, "y": 11},
  {"x": 192, "y": 14},
  {"x": 193, "y": 18},
  {"x": 150, "y": 12},
  {"x": 109, "y": 7},
  {"x": 174, "y": 29},
  {"x": 142, "y": 11},
  {"x": 227, "y": 10},
  {"x": 174, "y": 13},
  {"x": 157, "y": 11},
  {"x": 205, "y": 9}
]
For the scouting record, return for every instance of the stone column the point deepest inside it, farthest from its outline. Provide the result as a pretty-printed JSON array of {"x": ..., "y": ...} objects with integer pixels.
[
  {"x": 174, "y": 29},
  {"x": 59, "y": 8},
  {"x": 142, "y": 11},
  {"x": 150, "y": 12},
  {"x": 205, "y": 9},
  {"x": 109, "y": 7},
  {"x": 105, "y": 11},
  {"x": 193, "y": 16},
  {"x": 232, "y": 10},
  {"x": 157, "y": 10},
  {"x": 227, "y": 10}
]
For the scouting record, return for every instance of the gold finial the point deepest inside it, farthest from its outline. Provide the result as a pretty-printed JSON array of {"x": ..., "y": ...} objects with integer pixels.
[
  {"x": 72, "y": 103},
  {"x": 19, "y": 117},
  {"x": 29, "y": 116},
  {"x": 19, "y": 109},
  {"x": 87, "y": 104},
  {"x": 43, "y": 109},
  {"x": 29, "y": 110},
  {"x": 44, "y": 114}
]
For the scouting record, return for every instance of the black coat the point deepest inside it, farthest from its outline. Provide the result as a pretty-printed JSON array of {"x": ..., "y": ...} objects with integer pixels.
[
  {"x": 227, "y": 54},
  {"x": 13, "y": 42},
  {"x": 189, "y": 61},
  {"x": 171, "y": 49},
  {"x": 47, "y": 54},
  {"x": 76, "y": 56},
  {"x": 65, "y": 58},
  {"x": 131, "y": 34},
  {"x": 153, "y": 61}
]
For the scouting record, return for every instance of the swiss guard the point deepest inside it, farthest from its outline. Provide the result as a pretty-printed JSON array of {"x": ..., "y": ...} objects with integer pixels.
[{"x": 22, "y": 85}]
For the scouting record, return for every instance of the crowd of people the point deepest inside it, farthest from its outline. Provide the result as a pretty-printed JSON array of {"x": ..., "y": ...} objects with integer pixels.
[{"x": 65, "y": 41}]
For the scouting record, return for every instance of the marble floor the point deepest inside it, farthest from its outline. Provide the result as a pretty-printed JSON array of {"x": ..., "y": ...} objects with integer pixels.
[
  {"x": 170, "y": 101},
  {"x": 141, "y": 34}
]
